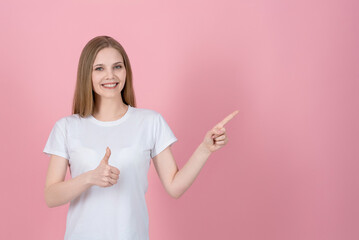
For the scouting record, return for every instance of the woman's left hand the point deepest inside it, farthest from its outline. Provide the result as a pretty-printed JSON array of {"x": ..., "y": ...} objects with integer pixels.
[{"x": 216, "y": 138}]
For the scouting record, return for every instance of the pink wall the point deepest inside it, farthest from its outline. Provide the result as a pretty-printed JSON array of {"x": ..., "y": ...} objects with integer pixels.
[{"x": 289, "y": 170}]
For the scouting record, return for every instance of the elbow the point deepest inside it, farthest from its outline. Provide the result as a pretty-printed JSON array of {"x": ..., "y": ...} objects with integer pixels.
[
  {"x": 52, "y": 205},
  {"x": 175, "y": 192},
  {"x": 175, "y": 195},
  {"x": 48, "y": 201},
  {"x": 49, "y": 205}
]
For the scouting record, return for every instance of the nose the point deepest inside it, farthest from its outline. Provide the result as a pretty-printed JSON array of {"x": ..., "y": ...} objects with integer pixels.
[{"x": 109, "y": 74}]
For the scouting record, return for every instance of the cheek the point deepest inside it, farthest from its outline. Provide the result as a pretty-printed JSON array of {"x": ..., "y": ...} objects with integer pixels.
[
  {"x": 122, "y": 74},
  {"x": 95, "y": 83},
  {"x": 96, "y": 78}
]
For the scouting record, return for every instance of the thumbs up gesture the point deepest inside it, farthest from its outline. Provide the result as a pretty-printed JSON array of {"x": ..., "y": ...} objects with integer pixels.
[
  {"x": 105, "y": 175},
  {"x": 216, "y": 138}
]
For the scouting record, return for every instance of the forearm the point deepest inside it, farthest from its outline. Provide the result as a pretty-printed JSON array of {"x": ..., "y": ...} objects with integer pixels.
[
  {"x": 186, "y": 176},
  {"x": 63, "y": 192}
]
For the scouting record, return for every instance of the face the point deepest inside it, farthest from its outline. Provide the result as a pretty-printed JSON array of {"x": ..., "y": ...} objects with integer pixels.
[{"x": 108, "y": 68}]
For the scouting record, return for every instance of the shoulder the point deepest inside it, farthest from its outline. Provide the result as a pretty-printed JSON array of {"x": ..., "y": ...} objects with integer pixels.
[
  {"x": 67, "y": 121},
  {"x": 145, "y": 112}
]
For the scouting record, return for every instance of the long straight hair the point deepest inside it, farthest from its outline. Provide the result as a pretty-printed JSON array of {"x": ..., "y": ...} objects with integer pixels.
[{"x": 84, "y": 97}]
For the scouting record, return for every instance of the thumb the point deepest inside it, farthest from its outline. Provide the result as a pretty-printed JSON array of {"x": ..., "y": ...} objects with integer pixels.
[{"x": 107, "y": 155}]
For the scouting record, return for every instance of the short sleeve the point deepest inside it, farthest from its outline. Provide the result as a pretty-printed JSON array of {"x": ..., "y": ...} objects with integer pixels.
[
  {"x": 163, "y": 136},
  {"x": 56, "y": 143}
]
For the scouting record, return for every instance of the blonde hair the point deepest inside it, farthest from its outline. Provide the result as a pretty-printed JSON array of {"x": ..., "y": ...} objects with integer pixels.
[{"x": 84, "y": 98}]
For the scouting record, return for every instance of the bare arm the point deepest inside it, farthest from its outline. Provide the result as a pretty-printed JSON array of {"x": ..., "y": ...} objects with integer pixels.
[
  {"x": 185, "y": 177},
  {"x": 175, "y": 181},
  {"x": 59, "y": 192}
]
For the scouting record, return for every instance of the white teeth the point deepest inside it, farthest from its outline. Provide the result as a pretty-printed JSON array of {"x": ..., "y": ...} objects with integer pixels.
[{"x": 110, "y": 85}]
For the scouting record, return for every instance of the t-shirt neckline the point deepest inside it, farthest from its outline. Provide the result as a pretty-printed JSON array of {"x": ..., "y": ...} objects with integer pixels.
[{"x": 112, "y": 123}]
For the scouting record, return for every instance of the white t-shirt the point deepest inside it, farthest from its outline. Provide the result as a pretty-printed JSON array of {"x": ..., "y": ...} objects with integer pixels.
[{"x": 120, "y": 211}]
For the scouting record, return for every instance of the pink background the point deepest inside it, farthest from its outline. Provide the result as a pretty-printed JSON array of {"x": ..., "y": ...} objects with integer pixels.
[{"x": 290, "y": 168}]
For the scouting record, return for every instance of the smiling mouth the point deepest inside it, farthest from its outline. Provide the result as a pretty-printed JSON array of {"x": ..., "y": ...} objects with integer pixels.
[{"x": 109, "y": 86}]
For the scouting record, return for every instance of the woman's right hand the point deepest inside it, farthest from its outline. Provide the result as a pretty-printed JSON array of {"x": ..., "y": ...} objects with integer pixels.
[{"x": 105, "y": 175}]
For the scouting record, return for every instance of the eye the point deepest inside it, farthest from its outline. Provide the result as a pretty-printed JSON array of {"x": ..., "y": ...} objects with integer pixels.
[
  {"x": 118, "y": 66},
  {"x": 98, "y": 68}
]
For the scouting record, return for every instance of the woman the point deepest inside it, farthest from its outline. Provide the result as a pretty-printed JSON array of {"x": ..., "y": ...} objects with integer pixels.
[{"x": 107, "y": 191}]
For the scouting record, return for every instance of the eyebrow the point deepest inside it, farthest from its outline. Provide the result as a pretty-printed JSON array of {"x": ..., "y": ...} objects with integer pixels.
[{"x": 100, "y": 64}]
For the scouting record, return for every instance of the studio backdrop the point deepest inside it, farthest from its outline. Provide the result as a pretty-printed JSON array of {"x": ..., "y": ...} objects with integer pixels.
[{"x": 289, "y": 170}]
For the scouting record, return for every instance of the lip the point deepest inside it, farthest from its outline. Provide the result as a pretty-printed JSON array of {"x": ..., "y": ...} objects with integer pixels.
[
  {"x": 108, "y": 83},
  {"x": 110, "y": 87}
]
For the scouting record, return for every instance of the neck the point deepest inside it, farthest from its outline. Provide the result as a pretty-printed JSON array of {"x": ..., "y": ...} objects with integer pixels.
[{"x": 109, "y": 109}]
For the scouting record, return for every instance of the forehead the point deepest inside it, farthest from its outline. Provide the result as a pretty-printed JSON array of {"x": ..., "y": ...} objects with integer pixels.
[{"x": 108, "y": 56}]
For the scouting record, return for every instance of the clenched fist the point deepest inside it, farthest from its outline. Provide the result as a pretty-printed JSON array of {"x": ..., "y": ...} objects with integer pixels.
[{"x": 105, "y": 175}]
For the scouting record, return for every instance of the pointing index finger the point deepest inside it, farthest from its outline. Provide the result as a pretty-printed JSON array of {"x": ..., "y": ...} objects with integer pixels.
[{"x": 227, "y": 119}]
